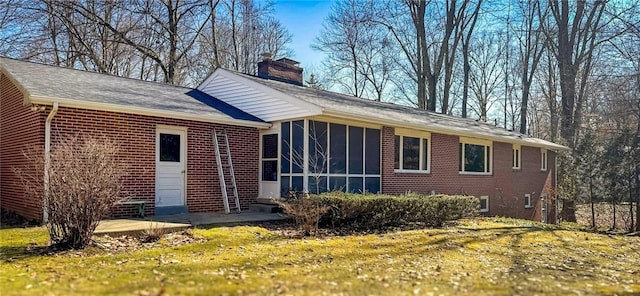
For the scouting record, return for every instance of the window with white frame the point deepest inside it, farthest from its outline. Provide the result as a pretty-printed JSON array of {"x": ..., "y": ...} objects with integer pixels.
[
  {"x": 517, "y": 157},
  {"x": 337, "y": 157},
  {"x": 475, "y": 156},
  {"x": 412, "y": 151},
  {"x": 527, "y": 200},
  {"x": 543, "y": 159},
  {"x": 484, "y": 204}
]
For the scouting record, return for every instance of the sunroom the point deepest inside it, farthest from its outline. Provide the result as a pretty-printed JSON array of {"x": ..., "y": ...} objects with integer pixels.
[{"x": 318, "y": 155}]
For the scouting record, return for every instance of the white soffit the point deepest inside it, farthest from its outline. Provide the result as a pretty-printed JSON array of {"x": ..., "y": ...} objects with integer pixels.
[{"x": 254, "y": 98}]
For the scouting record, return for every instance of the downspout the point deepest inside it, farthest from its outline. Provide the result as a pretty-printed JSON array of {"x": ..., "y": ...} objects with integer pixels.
[{"x": 47, "y": 161}]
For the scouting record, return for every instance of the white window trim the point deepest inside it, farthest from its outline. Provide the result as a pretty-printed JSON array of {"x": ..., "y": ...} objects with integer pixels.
[
  {"x": 543, "y": 159},
  {"x": 527, "y": 203},
  {"x": 414, "y": 134},
  {"x": 518, "y": 158},
  {"x": 485, "y": 197},
  {"x": 260, "y": 146},
  {"x": 487, "y": 162}
]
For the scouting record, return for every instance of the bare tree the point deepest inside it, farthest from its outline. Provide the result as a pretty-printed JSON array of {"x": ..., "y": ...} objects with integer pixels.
[
  {"x": 531, "y": 47},
  {"x": 486, "y": 74},
  {"x": 357, "y": 48}
]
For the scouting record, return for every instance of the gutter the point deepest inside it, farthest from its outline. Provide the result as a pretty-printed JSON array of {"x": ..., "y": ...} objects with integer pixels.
[
  {"x": 440, "y": 130},
  {"x": 47, "y": 160}
]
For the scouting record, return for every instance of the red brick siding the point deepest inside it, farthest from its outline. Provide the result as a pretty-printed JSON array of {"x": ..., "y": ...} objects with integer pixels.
[
  {"x": 20, "y": 129},
  {"x": 506, "y": 187},
  {"x": 136, "y": 135}
]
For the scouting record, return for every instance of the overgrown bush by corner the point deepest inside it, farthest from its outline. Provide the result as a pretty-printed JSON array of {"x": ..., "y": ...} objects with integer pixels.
[
  {"x": 85, "y": 180},
  {"x": 377, "y": 211}
]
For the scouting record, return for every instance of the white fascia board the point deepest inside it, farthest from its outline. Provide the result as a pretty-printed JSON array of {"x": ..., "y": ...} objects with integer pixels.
[
  {"x": 145, "y": 111},
  {"x": 25, "y": 93},
  {"x": 447, "y": 131},
  {"x": 311, "y": 108}
]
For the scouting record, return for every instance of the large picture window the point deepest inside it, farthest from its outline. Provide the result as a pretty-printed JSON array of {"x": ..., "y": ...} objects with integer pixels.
[
  {"x": 339, "y": 157},
  {"x": 475, "y": 156},
  {"x": 412, "y": 152}
]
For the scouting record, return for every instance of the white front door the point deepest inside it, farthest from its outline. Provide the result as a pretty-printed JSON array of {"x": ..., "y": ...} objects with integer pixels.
[{"x": 170, "y": 166}]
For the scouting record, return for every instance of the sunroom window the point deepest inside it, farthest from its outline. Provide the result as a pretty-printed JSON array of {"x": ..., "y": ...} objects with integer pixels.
[
  {"x": 336, "y": 157},
  {"x": 412, "y": 152},
  {"x": 475, "y": 156}
]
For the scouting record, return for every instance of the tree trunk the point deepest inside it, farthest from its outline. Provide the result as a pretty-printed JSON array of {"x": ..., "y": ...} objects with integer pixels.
[
  {"x": 466, "y": 69},
  {"x": 637, "y": 197},
  {"x": 613, "y": 226},
  {"x": 593, "y": 211},
  {"x": 433, "y": 90}
]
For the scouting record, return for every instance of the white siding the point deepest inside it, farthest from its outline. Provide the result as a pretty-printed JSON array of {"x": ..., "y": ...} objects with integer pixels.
[{"x": 264, "y": 103}]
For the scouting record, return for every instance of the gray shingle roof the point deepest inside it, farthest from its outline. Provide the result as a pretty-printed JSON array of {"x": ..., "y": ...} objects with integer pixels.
[
  {"x": 44, "y": 81},
  {"x": 402, "y": 116}
]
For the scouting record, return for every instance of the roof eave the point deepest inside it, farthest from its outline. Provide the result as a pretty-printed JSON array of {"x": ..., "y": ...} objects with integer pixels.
[
  {"x": 44, "y": 100},
  {"x": 25, "y": 93},
  {"x": 455, "y": 132}
]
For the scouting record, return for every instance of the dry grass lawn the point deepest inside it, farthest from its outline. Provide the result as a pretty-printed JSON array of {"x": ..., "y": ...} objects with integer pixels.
[{"x": 475, "y": 257}]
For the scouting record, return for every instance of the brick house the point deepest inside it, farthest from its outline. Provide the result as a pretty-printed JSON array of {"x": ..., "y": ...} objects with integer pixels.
[{"x": 282, "y": 136}]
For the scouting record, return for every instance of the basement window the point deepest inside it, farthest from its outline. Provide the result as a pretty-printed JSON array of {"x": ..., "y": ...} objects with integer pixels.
[
  {"x": 484, "y": 204},
  {"x": 475, "y": 156},
  {"x": 527, "y": 201}
]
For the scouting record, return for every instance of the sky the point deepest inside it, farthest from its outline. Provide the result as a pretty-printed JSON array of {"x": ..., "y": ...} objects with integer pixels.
[{"x": 303, "y": 19}]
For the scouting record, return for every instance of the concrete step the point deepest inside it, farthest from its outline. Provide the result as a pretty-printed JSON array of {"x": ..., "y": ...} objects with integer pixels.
[{"x": 265, "y": 208}]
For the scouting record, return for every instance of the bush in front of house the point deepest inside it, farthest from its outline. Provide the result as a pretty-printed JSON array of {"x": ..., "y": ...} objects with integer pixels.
[
  {"x": 85, "y": 180},
  {"x": 306, "y": 211},
  {"x": 378, "y": 211}
]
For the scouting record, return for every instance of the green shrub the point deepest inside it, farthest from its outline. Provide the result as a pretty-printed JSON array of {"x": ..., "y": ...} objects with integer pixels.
[{"x": 377, "y": 211}]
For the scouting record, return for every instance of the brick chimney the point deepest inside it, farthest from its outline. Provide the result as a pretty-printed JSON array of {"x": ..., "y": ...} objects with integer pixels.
[{"x": 284, "y": 70}]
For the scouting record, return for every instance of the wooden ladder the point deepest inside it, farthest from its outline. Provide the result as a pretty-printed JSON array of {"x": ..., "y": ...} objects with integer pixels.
[{"x": 225, "y": 169}]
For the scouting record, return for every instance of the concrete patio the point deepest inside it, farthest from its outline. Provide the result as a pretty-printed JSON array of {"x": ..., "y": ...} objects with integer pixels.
[{"x": 136, "y": 226}]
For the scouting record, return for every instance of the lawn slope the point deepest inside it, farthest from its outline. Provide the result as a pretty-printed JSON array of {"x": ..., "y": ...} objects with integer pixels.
[{"x": 476, "y": 257}]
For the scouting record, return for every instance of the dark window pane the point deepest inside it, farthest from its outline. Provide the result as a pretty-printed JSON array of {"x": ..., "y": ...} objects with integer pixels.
[
  {"x": 269, "y": 170},
  {"x": 410, "y": 153},
  {"x": 338, "y": 151},
  {"x": 425, "y": 154},
  {"x": 297, "y": 183},
  {"x": 483, "y": 204},
  {"x": 355, "y": 150},
  {"x": 355, "y": 185},
  {"x": 487, "y": 158},
  {"x": 270, "y": 146},
  {"x": 396, "y": 159},
  {"x": 338, "y": 184},
  {"x": 372, "y": 152},
  {"x": 460, "y": 157},
  {"x": 320, "y": 187},
  {"x": 372, "y": 184},
  {"x": 474, "y": 158},
  {"x": 297, "y": 146},
  {"x": 317, "y": 146},
  {"x": 284, "y": 186},
  {"x": 286, "y": 146},
  {"x": 170, "y": 147}
]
